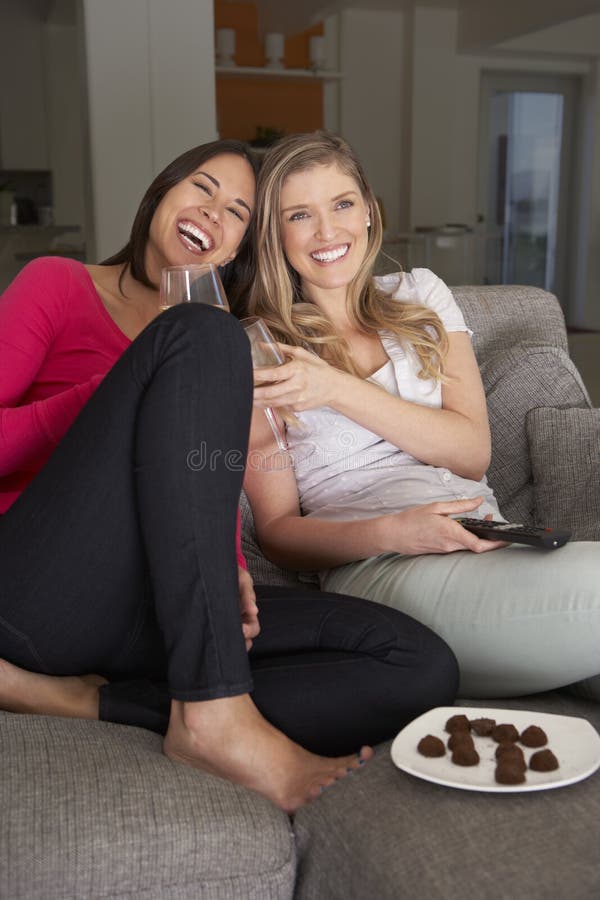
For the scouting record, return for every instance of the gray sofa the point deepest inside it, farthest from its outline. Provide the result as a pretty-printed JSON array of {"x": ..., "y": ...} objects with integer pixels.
[{"x": 93, "y": 810}]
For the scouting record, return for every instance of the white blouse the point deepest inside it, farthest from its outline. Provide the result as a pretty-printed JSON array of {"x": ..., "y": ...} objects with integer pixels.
[{"x": 345, "y": 471}]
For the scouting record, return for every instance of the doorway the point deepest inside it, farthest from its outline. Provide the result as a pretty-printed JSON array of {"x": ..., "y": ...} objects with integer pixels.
[{"x": 525, "y": 172}]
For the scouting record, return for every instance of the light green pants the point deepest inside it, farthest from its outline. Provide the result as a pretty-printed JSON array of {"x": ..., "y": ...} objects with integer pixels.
[{"x": 520, "y": 620}]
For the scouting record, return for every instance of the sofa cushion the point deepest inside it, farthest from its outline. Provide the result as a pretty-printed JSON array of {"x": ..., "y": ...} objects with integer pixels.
[
  {"x": 501, "y": 315},
  {"x": 565, "y": 460},
  {"x": 93, "y": 809},
  {"x": 523, "y": 378},
  {"x": 388, "y": 835},
  {"x": 262, "y": 570}
]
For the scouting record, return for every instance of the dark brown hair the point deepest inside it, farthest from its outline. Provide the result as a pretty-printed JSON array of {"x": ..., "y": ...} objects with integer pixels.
[{"x": 237, "y": 274}]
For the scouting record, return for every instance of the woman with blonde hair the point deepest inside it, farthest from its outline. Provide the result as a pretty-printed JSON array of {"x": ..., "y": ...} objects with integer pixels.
[{"x": 390, "y": 442}]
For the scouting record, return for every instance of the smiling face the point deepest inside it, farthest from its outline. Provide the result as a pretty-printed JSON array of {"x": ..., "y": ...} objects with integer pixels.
[
  {"x": 324, "y": 234},
  {"x": 204, "y": 218}
]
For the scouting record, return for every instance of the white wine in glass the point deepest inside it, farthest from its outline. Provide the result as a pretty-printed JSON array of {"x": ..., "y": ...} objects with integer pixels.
[{"x": 191, "y": 284}]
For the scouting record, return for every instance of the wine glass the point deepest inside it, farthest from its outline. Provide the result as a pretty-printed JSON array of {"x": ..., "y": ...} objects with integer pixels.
[
  {"x": 192, "y": 284},
  {"x": 265, "y": 352}
]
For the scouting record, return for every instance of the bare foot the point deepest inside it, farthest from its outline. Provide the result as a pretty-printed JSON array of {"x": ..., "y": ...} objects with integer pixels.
[
  {"x": 74, "y": 696},
  {"x": 230, "y": 738}
]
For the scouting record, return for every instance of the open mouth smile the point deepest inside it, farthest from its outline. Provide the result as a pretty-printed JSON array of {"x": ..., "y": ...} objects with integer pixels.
[
  {"x": 332, "y": 255},
  {"x": 195, "y": 238}
]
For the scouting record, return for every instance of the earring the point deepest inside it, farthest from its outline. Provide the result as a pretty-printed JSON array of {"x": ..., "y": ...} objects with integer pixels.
[{"x": 368, "y": 223}]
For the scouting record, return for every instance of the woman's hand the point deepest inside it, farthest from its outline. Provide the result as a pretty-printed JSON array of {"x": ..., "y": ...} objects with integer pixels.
[
  {"x": 305, "y": 381},
  {"x": 248, "y": 607},
  {"x": 429, "y": 529}
]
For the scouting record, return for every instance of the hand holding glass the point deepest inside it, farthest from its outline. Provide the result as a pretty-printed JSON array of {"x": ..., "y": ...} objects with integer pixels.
[
  {"x": 265, "y": 352},
  {"x": 192, "y": 284}
]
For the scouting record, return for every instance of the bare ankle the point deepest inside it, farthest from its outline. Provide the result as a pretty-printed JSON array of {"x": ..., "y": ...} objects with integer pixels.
[{"x": 74, "y": 696}]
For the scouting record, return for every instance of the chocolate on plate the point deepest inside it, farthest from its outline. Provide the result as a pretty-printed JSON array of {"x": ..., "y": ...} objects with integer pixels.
[
  {"x": 533, "y": 737},
  {"x": 464, "y": 755},
  {"x": 543, "y": 761},
  {"x": 460, "y": 738},
  {"x": 482, "y": 727},
  {"x": 431, "y": 745},
  {"x": 509, "y": 752},
  {"x": 457, "y": 723},
  {"x": 511, "y": 764},
  {"x": 509, "y": 772},
  {"x": 506, "y": 732}
]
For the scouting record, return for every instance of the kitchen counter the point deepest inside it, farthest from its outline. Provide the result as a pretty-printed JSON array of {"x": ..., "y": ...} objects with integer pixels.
[{"x": 21, "y": 243}]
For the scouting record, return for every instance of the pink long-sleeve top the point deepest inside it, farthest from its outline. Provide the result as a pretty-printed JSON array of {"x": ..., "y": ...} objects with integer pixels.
[{"x": 57, "y": 342}]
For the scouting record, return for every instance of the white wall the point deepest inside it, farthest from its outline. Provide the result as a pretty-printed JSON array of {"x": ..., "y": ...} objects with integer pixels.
[
  {"x": 23, "y": 143},
  {"x": 65, "y": 134},
  {"x": 410, "y": 106},
  {"x": 150, "y": 83},
  {"x": 587, "y": 311},
  {"x": 372, "y": 114},
  {"x": 444, "y": 132}
]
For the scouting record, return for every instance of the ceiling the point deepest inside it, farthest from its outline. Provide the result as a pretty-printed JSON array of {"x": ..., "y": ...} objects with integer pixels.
[{"x": 483, "y": 22}]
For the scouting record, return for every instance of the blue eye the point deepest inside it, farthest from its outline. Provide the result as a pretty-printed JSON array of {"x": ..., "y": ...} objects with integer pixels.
[
  {"x": 345, "y": 204},
  {"x": 295, "y": 217}
]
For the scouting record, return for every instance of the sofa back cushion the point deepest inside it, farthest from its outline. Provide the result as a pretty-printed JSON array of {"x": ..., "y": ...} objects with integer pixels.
[
  {"x": 565, "y": 458},
  {"x": 520, "y": 341},
  {"x": 517, "y": 381},
  {"x": 262, "y": 570},
  {"x": 504, "y": 315}
]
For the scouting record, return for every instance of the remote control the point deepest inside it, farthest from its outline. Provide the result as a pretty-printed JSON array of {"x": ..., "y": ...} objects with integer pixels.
[{"x": 550, "y": 538}]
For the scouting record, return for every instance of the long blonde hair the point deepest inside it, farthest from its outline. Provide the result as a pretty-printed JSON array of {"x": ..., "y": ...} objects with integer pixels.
[{"x": 276, "y": 294}]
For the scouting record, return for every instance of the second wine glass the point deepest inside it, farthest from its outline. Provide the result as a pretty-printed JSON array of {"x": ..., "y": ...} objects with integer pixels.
[
  {"x": 192, "y": 284},
  {"x": 266, "y": 352}
]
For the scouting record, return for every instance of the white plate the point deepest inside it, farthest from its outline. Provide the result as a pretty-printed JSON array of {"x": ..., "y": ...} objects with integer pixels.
[{"x": 575, "y": 743}]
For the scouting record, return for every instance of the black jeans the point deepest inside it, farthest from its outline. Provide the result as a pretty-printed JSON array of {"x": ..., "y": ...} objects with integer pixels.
[{"x": 119, "y": 558}]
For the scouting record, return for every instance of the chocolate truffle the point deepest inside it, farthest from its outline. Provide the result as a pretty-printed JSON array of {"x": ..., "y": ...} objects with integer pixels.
[
  {"x": 482, "y": 727},
  {"x": 431, "y": 745},
  {"x": 543, "y": 761},
  {"x": 465, "y": 756},
  {"x": 457, "y": 723},
  {"x": 509, "y": 752},
  {"x": 533, "y": 737},
  {"x": 460, "y": 739},
  {"x": 503, "y": 733},
  {"x": 509, "y": 773}
]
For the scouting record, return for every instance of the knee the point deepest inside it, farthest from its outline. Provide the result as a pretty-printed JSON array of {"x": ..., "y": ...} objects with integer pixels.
[
  {"x": 398, "y": 641},
  {"x": 440, "y": 670},
  {"x": 203, "y": 319},
  {"x": 211, "y": 331},
  {"x": 435, "y": 671}
]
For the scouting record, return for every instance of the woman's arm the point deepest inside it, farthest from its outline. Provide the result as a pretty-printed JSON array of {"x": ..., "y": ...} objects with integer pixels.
[
  {"x": 296, "y": 542},
  {"x": 456, "y": 436},
  {"x": 30, "y": 432},
  {"x": 30, "y": 314}
]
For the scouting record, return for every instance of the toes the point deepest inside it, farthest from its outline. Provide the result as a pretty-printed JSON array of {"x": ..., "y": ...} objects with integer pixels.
[
  {"x": 365, "y": 753},
  {"x": 317, "y": 789}
]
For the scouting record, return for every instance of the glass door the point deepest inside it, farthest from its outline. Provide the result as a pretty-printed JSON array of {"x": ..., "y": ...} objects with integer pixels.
[{"x": 525, "y": 166}]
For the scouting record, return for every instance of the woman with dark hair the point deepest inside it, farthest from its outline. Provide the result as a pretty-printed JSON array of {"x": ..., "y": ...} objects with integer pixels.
[
  {"x": 234, "y": 275},
  {"x": 119, "y": 557}
]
